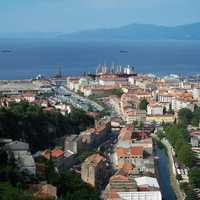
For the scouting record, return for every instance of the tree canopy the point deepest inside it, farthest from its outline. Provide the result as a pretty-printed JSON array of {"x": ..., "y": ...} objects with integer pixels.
[
  {"x": 143, "y": 104},
  {"x": 29, "y": 123},
  {"x": 179, "y": 138},
  {"x": 8, "y": 192},
  {"x": 196, "y": 116},
  {"x": 117, "y": 91},
  {"x": 14, "y": 184},
  {"x": 194, "y": 176},
  {"x": 185, "y": 116}
]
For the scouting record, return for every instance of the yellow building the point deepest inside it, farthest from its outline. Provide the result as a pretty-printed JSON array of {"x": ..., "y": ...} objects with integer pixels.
[{"x": 161, "y": 118}]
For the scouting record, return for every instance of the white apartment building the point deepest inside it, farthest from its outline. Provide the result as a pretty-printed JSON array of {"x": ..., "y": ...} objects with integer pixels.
[
  {"x": 178, "y": 104},
  {"x": 154, "y": 109}
]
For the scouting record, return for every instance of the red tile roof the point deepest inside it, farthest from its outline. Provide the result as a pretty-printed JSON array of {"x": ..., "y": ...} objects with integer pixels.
[
  {"x": 57, "y": 153},
  {"x": 121, "y": 151},
  {"x": 137, "y": 151}
]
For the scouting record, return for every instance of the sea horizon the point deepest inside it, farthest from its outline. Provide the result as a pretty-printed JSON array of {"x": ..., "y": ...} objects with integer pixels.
[{"x": 26, "y": 58}]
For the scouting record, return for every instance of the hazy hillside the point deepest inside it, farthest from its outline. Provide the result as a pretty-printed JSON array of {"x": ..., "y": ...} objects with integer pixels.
[{"x": 140, "y": 32}]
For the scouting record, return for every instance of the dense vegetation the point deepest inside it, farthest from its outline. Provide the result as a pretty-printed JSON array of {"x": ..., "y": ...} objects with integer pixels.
[
  {"x": 14, "y": 184},
  {"x": 118, "y": 92},
  {"x": 143, "y": 104},
  {"x": 179, "y": 138},
  {"x": 69, "y": 184},
  {"x": 71, "y": 187},
  {"x": 29, "y": 123},
  {"x": 8, "y": 192},
  {"x": 194, "y": 177},
  {"x": 189, "y": 191},
  {"x": 186, "y": 116}
]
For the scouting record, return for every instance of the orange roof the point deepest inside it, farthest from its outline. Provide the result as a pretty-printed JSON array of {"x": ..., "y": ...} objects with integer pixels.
[
  {"x": 57, "y": 153},
  {"x": 137, "y": 151},
  {"x": 184, "y": 94},
  {"x": 128, "y": 166},
  {"x": 112, "y": 195},
  {"x": 121, "y": 151}
]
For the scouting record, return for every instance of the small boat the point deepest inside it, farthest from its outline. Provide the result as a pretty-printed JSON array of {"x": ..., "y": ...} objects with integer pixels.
[
  {"x": 6, "y": 51},
  {"x": 123, "y": 51}
]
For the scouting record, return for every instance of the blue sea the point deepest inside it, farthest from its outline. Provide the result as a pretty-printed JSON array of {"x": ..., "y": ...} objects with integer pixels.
[{"x": 28, "y": 57}]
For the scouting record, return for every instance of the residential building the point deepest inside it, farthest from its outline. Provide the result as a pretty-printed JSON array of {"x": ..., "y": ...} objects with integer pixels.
[
  {"x": 161, "y": 118},
  {"x": 179, "y": 103},
  {"x": 154, "y": 108},
  {"x": 195, "y": 139},
  {"x": 124, "y": 187},
  {"x": 22, "y": 156},
  {"x": 93, "y": 137},
  {"x": 95, "y": 171}
]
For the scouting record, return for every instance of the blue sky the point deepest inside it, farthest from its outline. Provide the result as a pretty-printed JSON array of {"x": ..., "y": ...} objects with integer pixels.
[{"x": 76, "y": 15}]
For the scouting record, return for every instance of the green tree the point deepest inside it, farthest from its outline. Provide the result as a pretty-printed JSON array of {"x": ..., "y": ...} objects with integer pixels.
[
  {"x": 178, "y": 177},
  {"x": 7, "y": 192},
  {"x": 51, "y": 175},
  {"x": 189, "y": 191},
  {"x": 117, "y": 91},
  {"x": 141, "y": 125},
  {"x": 185, "y": 155},
  {"x": 39, "y": 128},
  {"x": 179, "y": 138},
  {"x": 143, "y": 104},
  {"x": 194, "y": 176},
  {"x": 160, "y": 135},
  {"x": 164, "y": 110},
  {"x": 170, "y": 109},
  {"x": 196, "y": 116},
  {"x": 3, "y": 158},
  {"x": 71, "y": 187},
  {"x": 185, "y": 116}
]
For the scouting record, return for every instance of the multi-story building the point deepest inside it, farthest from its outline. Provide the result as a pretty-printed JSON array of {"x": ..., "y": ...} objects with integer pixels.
[
  {"x": 22, "y": 156},
  {"x": 124, "y": 187},
  {"x": 195, "y": 139},
  {"x": 154, "y": 108},
  {"x": 179, "y": 103},
  {"x": 95, "y": 171},
  {"x": 93, "y": 137},
  {"x": 130, "y": 108}
]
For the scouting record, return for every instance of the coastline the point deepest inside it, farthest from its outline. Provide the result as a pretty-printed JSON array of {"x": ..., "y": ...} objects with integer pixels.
[{"x": 173, "y": 181}]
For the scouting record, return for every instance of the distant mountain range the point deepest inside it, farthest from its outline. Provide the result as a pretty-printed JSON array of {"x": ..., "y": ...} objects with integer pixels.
[
  {"x": 139, "y": 32},
  {"x": 129, "y": 32}
]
